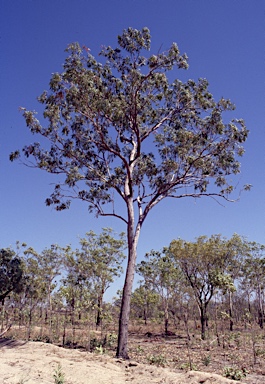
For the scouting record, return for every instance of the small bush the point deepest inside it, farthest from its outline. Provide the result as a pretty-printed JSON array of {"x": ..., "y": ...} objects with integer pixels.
[
  {"x": 111, "y": 340},
  {"x": 58, "y": 375},
  {"x": 139, "y": 350},
  {"x": 206, "y": 360},
  {"x": 100, "y": 350},
  {"x": 158, "y": 360},
  {"x": 95, "y": 343},
  {"x": 188, "y": 367},
  {"x": 260, "y": 352},
  {"x": 235, "y": 373},
  {"x": 43, "y": 338}
]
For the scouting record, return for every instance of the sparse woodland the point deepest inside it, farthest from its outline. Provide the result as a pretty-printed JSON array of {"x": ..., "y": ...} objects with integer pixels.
[{"x": 198, "y": 305}]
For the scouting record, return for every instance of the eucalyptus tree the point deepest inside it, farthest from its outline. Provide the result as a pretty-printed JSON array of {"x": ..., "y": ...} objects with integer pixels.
[
  {"x": 144, "y": 302},
  {"x": 75, "y": 285},
  {"x": 11, "y": 273},
  {"x": 253, "y": 277},
  {"x": 118, "y": 129},
  {"x": 204, "y": 264},
  {"x": 50, "y": 262},
  {"x": 161, "y": 273},
  {"x": 75, "y": 290},
  {"x": 236, "y": 251},
  {"x": 34, "y": 291},
  {"x": 102, "y": 256}
]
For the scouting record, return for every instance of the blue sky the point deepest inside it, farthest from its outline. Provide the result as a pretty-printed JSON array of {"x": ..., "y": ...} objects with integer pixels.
[{"x": 224, "y": 40}]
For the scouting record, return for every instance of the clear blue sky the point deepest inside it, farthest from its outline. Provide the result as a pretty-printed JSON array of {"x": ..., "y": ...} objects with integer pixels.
[{"x": 225, "y": 42}]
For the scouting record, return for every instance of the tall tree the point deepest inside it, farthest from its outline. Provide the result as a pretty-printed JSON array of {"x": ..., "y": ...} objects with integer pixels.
[{"x": 118, "y": 129}]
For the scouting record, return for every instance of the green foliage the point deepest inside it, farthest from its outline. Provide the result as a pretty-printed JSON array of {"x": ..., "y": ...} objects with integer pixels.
[
  {"x": 139, "y": 350},
  {"x": 209, "y": 265},
  {"x": 159, "y": 271},
  {"x": 11, "y": 273},
  {"x": 206, "y": 263},
  {"x": 91, "y": 270},
  {"x": 59, "y": 376},
  {"x": 159, "y": 360},
  {"x": 112, "y": 339},
  {"x": 101, "y": 256},
  {"x": 144, "y": 302},
  {"x": 41, "y": 269},
  {"x": 234, "y": 373},
  {"x": 260, "y": 352},
  {"x": 236, "y": 337},
  {"x": 161, "y": 277},
  {"x": 100, "y": 350}
]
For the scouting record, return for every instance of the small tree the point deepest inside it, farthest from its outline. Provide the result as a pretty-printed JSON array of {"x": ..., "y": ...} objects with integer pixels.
[
  {"x": 101, "y": 256},
  {"x": 144, "y": 302},
  {"x": 75, "y": 289},
  {"x": 204, "y": 264},
  {"x": 161, "y": 273},
  {"x": 49, "y": 263},
  {"x": 253, "y": 276},
  {"x": 118, "y": 129},
  {"x": 34, "y": 290}
]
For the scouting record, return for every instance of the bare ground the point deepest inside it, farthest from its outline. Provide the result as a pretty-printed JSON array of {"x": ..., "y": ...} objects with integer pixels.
[{"x": 36, "y": 362}]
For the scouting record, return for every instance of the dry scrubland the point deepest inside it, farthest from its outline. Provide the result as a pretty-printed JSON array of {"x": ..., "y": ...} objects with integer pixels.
[{"x": 154, "y": 358}]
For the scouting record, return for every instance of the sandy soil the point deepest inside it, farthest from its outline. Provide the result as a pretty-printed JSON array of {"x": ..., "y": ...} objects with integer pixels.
[{"x": 35, "y": 362}]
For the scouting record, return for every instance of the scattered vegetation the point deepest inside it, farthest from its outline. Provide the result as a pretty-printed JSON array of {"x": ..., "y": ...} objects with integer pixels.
[{"x": 58, "y": 303}]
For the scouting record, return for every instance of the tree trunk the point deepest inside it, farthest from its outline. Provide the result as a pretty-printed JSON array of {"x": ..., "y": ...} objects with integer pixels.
[
  {"x": 145, "y": 315},
  {"x": 99, "y": 311},
  {"x": 122, "y": 349},
  {"x": 3, "y": 317},
  {"x": 260, "y": 309},
  {"x": 203, "y": 319},
  {"x": 186, "y": 323},
  {"x": 166, "y": 316},
  {"x": 231, "y": 312},
  {"x": 30, "y": 320}
]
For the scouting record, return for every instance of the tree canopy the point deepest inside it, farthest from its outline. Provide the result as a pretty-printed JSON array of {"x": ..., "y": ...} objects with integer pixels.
[{"x": 102, "y": 118}]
